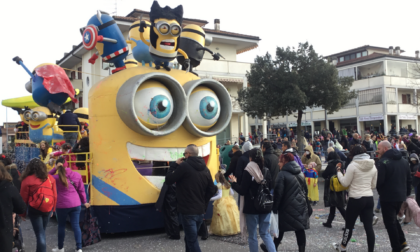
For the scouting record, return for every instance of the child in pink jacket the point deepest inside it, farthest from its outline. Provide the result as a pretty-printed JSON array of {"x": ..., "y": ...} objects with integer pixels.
[{"x": 66, "y": 149}]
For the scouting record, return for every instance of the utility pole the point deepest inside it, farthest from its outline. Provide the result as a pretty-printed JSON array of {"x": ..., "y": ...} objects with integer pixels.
[
  {"x": 326, "y": 120},
  {"x": 7, "y": 135}
]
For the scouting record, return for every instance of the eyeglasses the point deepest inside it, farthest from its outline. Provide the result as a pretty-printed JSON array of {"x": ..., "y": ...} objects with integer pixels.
[{"x": 164, "y": 28}]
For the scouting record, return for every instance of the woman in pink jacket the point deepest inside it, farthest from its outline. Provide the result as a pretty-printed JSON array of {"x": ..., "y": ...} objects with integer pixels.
[{"x": 70, "y": 196}]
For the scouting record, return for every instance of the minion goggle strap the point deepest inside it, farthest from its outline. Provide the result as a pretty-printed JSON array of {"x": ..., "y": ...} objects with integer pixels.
[
  {"x": 164, "y": 28},
  {"x": 36, "y": 115},
  {"x": 98, "y": 28}
]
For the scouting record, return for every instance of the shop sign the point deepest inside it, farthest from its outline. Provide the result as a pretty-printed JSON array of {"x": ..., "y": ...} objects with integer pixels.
[
  {"x": 407, "y": 117},
  {"x": 303, "y": 124},
  {"x": 370, "y": 118}
]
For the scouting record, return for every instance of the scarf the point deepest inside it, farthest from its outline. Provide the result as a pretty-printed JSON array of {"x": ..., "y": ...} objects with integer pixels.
[{"x": 255, "y": 172}]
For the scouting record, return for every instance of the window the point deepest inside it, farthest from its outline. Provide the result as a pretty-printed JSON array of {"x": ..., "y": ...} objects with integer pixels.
[
  {"x": 349, "y": 72},
  {"x": 390, "y": 96},
  {"x": 73, "y": 75},
  {"x": 353, "y": 56},
  {"x": 397, "y": 69},
  {"x": 341, "y": 59},
  {"x": 80, "y": 102},
  {"x": 364, "y": 53},
  {"x": 358, "y": 55},
  {"x": 350, "y": 104},
  {"x": 406, "y": 99},
  {"x": 79, "y": 73},
  {"x": 370, "y": 96},
  {"x": 347, "y": 57},
  {"x": 106, "y": 65}
]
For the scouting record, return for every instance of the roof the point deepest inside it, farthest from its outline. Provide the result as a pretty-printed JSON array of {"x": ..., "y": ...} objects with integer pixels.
[
  {"x": 136, "y": 14},
  {"x": 374, "y": 56},
  {"x": 358, "y": 49}
]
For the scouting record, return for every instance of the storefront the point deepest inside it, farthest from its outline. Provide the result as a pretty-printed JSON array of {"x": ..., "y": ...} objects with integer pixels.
[
  {"x": 371, "y": 124},
  {"x": 306, "y": 126}
]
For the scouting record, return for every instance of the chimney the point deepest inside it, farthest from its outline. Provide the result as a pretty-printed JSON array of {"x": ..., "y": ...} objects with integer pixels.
[
  {"x": 397, "y": 50},
  {"x": 217, "y": 24},
  {"x": 391, "y": 50},
  {"x": 417, "y": 54}
]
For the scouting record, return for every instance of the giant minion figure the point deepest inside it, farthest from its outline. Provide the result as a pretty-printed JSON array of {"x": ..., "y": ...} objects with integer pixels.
[
  {"x": 141, "y": 114},
  {"x": 164, "y": 35},
  {"x": 104, "y": 34},
  {"x": 140, "y": 50},
  {"x": 193, "y": 40},
  {"x": 41, "y": 122}
]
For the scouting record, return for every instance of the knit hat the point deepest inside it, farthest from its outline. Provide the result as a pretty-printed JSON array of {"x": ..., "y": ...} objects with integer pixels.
[{"x": 247, "y": 146}]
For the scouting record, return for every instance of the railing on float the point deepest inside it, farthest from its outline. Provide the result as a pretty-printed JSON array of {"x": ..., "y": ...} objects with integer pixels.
[{"x": 85, "y": 172}]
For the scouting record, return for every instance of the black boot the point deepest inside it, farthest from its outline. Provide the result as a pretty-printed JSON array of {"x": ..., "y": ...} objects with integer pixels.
[{"x": 301, "y": 248}]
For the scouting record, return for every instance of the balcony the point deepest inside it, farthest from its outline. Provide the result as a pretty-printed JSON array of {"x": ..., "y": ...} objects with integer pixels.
[
  {"x": 223, "y": 66},
  {"x": 77, "y": 84}
]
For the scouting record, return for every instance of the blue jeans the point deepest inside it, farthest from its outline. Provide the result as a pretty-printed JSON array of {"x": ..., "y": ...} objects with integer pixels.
[
  {"x": 191, "y": 225},
  {"x": 70, "y": 138},
  {"x": 74, "y": 214},
  {"x": 263, "y": 220},
  {"x": 39, "y": 224},
  {"x": 379, "y": 203}
]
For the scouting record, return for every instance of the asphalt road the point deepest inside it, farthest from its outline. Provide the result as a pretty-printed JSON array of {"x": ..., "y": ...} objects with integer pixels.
[{"x": 318, "y": 237}]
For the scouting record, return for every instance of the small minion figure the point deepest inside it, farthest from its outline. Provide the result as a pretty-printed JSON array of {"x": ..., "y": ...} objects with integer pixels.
[{"x": 140, "y": 50}]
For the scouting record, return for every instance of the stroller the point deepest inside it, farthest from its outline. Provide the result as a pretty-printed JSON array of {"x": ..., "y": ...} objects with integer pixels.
[{"x": 17, "y": 234}]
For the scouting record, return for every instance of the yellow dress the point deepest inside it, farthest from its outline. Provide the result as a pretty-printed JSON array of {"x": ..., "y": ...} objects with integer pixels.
[
  {"x": 225, "y": 219},
  {"x": 47, "y": 159},
  {"x": 313, "y": 192}
]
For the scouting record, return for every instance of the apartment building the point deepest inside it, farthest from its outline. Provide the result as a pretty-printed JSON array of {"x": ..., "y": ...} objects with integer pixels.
[
  {"x": 386, "y": 82},
  {"x": 228, "y": 71}
]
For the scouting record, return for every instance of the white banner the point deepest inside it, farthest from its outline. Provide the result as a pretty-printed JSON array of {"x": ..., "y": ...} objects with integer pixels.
[
  {"x": 370, "y": 118},
  {"x": 407, "y": 117},
  {"x": 303, "y": 124}
]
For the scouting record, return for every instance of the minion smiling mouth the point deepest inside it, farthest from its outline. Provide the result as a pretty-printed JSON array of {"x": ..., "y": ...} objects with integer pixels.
[
  {"x": 167, "y": 44},
  {"x": 163, "y": 154},
  {"x": 35, "y": 126}
]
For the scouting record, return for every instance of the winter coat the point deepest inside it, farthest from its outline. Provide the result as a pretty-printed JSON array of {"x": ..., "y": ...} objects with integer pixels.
[
  {"x": 340, "y": 154},
  {"x": 70, "y": 196},
  {"x": 361, "y": 176},
  {"x": 331, "y": 198},
  {"x": 414, "y": 167},
  {"x": 415, "y": 183},
  {"x": 290, "y": 195},
  {"x": 271, "y": 161},
  {"x": 338, "y": 146},
  {"x": 31, "y": 184},
  {"x": 394, "y": 177},
  {"x": 416, "y": 142},
  {"x": 82, "y": 157},
  {"x": 12, "y": 169},
  {"x": 306, "y": 159},
  {"x": 344, "y": 143},
  {"x": 353, "y": 142},
  {"x": 367, "y": 145},
  {"x": 233, "y": 163},
  {"x": 248, "y": 186},
  {"x": 411, "y": 147},
  {"x": 297, "y": 158},
  {"x": 194, "y": 185},
  {"x": 10, "y": 202},
  {"x": 69, "y": 118},
  {"x": 240, "y": 167},
  {"x": 66, "y": 158}
]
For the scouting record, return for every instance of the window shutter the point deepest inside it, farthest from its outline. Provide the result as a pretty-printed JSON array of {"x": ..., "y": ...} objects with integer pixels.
[{"x": 404, "y": 99}]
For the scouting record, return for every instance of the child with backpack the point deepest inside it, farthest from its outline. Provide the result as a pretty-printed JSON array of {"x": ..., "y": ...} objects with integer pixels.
[
  {"x": 225, "y": 219},
  {"x": 311, "y": 177},
  {"x": 38, "y": 191}
]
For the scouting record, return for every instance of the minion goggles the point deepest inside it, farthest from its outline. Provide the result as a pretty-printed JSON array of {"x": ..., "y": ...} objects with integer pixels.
[
  {"x": 36, "y": 115},
  {"x": 172, "y": 28}
]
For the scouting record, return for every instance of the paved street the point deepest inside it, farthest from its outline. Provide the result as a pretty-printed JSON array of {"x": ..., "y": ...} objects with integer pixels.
[{"x": 318, "y": 238}]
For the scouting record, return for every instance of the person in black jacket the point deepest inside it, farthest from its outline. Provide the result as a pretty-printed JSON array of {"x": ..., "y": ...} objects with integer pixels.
[
  {"x": 10, "y": 202},
  {"x": 194, "y": 188},
  {"x": 243, "y": 161},
  {"x": 333, "y": 200},
  {"x": 415, "y": 139},
  {"x": 271, "y": 161},
  {"x": 12, "y": 170},
  {"x": 66, "y": 119},
  {"x": 367, "y": 143},
  {"x": 236, "y": 154},
  {"x": 411, "y": 147},
  {"x": 354, "y": 141},
  {"x": 394, "y": 185},
  {"x": 290, "y": 202},
  {"x": 254, "y": 174},
  {"x": 344, "y": 142},
  {"x": 81, "y": 147}
]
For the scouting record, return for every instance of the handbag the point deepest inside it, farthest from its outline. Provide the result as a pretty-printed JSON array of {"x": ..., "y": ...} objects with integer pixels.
[
  {"x": 310, "y": 210},
  {"x": 90, "y": 229},
  {"x": 335, "y": 185}
]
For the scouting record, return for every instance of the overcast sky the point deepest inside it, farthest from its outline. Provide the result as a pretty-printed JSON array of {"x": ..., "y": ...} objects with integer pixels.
[{"x": 42, "y": 31}]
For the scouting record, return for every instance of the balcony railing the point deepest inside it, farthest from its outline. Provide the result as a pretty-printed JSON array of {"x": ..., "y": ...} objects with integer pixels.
[{"x": 223, "y": 66}]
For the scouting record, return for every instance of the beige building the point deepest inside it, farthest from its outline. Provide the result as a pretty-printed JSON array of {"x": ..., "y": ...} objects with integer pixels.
[
  {"x": 228, "y": 71},
  {"x": 386, "y": 83}
]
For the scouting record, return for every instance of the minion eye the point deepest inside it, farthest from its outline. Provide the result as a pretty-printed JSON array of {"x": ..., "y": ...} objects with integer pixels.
[
  {"x": 28, "y": 115},
  {"x": 35, "y": 116},
  {"x": 164, "y": 29},
  {"x": 175, "y": 30},
  {"x": 204, "y": 108},
  {"x": 153, "y": 104}
]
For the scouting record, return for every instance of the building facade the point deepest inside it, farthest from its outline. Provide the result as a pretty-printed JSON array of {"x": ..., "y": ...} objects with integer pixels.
[
  {"x": 386, "y": 83},
  {"x": 228, "y": 71}
]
